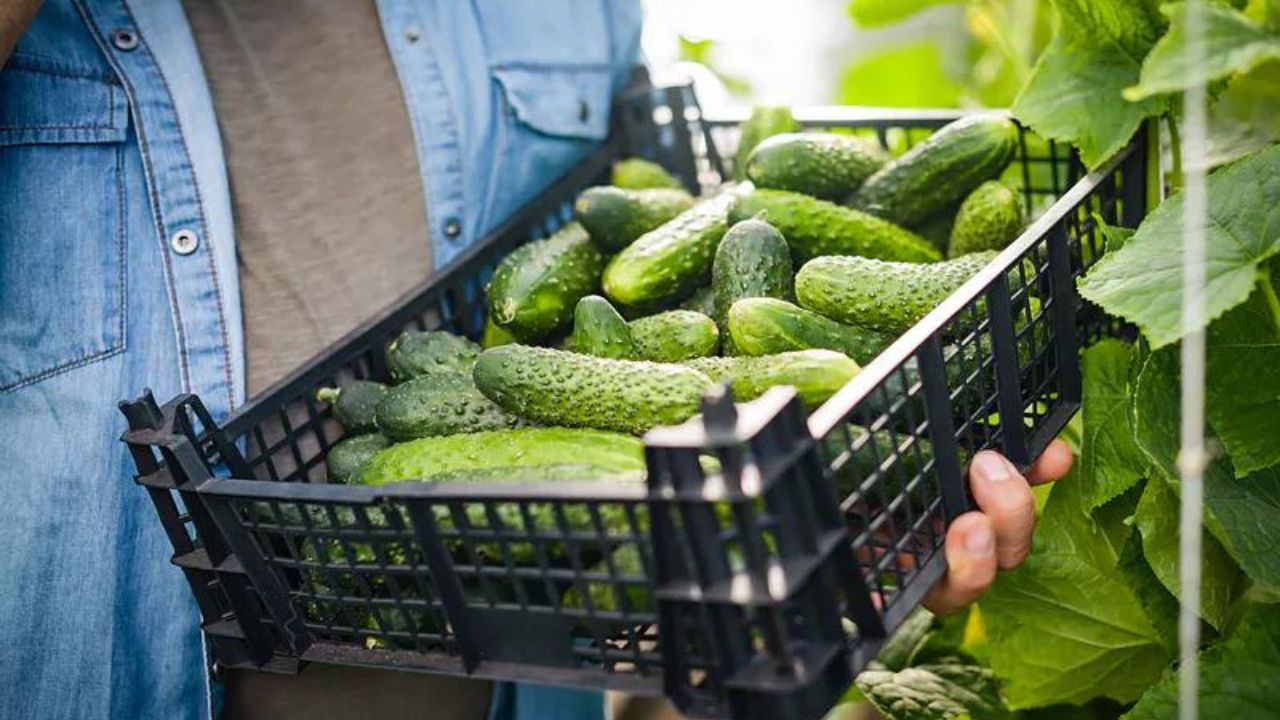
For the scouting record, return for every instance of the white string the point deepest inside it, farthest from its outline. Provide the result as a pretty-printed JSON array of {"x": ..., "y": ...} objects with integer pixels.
[{"x": 1192, "y": 459}]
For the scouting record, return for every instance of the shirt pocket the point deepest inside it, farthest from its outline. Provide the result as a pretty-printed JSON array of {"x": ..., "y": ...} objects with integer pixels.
[{"x": 62, "y": 237}]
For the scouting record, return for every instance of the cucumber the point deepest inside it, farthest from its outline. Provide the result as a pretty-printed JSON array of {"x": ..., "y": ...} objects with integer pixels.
[
  {"x": 355, "y": 404},
  {"x": 765, "y": 326},
  {"x": 453, "y": 456},
  {"x": 417, "y": 353},
  {"x": 989, "y": 219},
  {"x": 640, "y": 174},
  {"x": 703, "y": 300},
  {"x": 605, "y": 595},
  {"x": 615, "y": 217},
  {"x": 535, "y": 288},
  {"x": 885, "y": 296},
  {"x": 752, "y": 261},
  {"x": 937, "y": 229},
  {"x": 816, "y": 227},
  {"x": 815, "y": 374},
  {"x": 555, "y": 387},
  {"x": 874, "y": 449},
  {"x": 765, "y": 122},
  {"x": 824, "y": 165},
  {"x": 599, "y": 330},
  {"x": 352, "y": 453},
  {"x": 941, "y": 171},
  {"x": 675, "y": 335},
  {"x": 443, "y": 403},
  {"x": 668, "y": 263},
  {"x": 494, "y": 335}
]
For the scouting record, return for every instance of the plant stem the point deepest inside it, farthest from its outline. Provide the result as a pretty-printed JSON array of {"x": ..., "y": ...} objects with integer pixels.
[
  {"x": 1269, "y": 292},
  {"x": 1175, "y": 177}
]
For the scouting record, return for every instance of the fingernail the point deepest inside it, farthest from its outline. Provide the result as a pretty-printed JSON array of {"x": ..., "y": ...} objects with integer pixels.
[
  {"x": 980, "y": 541},
  {"x": 990, "y": 467}
]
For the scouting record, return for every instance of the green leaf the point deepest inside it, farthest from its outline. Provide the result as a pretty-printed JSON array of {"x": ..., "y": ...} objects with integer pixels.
[
  {"x": 1074, "y": 95},
  {"x": 1246, "y": 116},
  {"x": 1066, "y": 627},
  {"x": 908, "y": 75},
  {"x": 1233, "y": 44},
  {"x": 1143, "y": 281},
  {"x": 1243, "y": 404},
  {"x": 1160, "y": 604},
  {"x": 1157, "y": 521},
  {"x": 1238, "y": 677},
  {"x": 934, "y": 692},
  {"x": 1243, "y": 514},
  {"x": 1110, "y": 460},
  {"x": 878, "y": 13},
  {"x": 1133, "y": 25}
]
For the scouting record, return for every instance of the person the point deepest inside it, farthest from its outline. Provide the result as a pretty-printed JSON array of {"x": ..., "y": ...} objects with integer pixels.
[{"x": 196, "y": 196}]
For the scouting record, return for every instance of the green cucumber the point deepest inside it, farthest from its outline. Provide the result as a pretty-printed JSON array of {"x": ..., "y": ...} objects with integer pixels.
[
  {"x": 885, "y": 296},
  {"x": 752, "y": 261},
  {"x": 417, "y": 353},
  {"x": 641, "y": 174},
  {"x": 874, "y": 449},
  {"x": 668, "y": 263},
  {"x": 494, "y": 335},
  {"x": 355, "y": 404},
  {"x": 703, "y": 300},
  {"x": 816, "y": 227},
  {"x": 937, "y": 229},
  {"x": 765, "y": 122},
  {"x": 535, "y": 288},
  {"x": 766, "y": 326},
  {"x": 989, "y": 219},
  {"x": 599, "y": 330},
  {"x": 556, "y": 387},
  {"x": 675, "y": 335},
  {"x": 352, "y": 453},
  {"x": 824, "y": 165},
  {"x": 615, "y": 217},
  {"x": 453, "y": 456},
  {"x": 941, "y": 171},
  {"x": 815, "y": 374},
  {"x": 443, "y": 403}
]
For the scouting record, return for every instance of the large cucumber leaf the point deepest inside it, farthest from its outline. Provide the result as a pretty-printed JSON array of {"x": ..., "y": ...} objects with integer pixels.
[
  {"x": 1243, "y": 402},
  {"x": 1110, "y": 460},
  {"x": 1142, "y": 282},
  {"x": 1233, "y": 44}
]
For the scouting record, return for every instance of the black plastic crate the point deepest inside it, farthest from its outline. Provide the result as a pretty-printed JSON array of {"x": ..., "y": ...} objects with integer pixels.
[{"x": 757, "y": 591}]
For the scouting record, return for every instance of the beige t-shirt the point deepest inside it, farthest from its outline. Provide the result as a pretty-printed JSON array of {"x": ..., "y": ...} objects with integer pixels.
[{"x": 331, "y": 221}]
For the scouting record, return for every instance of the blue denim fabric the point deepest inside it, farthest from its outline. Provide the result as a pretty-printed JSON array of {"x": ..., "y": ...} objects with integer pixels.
[{"x": 108, "y": 148}]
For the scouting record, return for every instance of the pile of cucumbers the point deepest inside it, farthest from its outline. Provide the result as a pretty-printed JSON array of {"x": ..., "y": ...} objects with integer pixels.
[{"x": 621, "y": 320}]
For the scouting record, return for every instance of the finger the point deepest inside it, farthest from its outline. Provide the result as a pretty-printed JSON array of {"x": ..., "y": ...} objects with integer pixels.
[
  {"x": 971, "y": 564},
  {"x": 1005, "y": 497},
  {"x": 1054, "y": 463}
]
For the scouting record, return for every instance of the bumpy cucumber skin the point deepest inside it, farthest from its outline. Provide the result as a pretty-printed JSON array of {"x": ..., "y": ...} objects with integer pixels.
[
  {"x": 885, "y": 296},
  {"x": 815, "y": 374},
  {"x": 675, "y": 335},
  {"x": 753, "y": 260},
  {"x": 599, "y": 330},
  {"x": 703, "y": 300},
  {"x": 824, "y": 165},
  {"x": 814, "y": 228},
  {"x": 555, "y": 387},
  {"x": 455, "y": 455},
  {"x": 939, "y": 172},
  {"x": 765, "y": 122},
  {"x": 355, "y": 404},
  {"x": 989, "y": 219},
  {"x": 615, "y": 217},
  {"x": 417, "y": 353},
  {"x": 445, "y": 403},
  {"x": 641, "y": 174},
  {"x": 767, "y": 326},
  {"x": 352, "y": 453},
  {"x": 535, "y": 288},
  {"x": 670, "y": 262}
]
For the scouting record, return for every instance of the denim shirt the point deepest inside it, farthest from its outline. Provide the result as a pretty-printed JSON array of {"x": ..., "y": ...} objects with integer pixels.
[{"x": 118, "y": 272}]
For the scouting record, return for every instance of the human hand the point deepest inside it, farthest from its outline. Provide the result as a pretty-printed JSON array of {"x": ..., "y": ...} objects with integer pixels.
[{"x": 996, "y": 536}]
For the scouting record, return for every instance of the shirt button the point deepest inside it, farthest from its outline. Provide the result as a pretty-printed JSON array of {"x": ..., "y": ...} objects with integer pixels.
[
  {"x": 452, "y": 228},
  {"x": 184, "y": 242},
  {"x": 124, "y": 39},
  {"x": 412, "y": 34}
]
